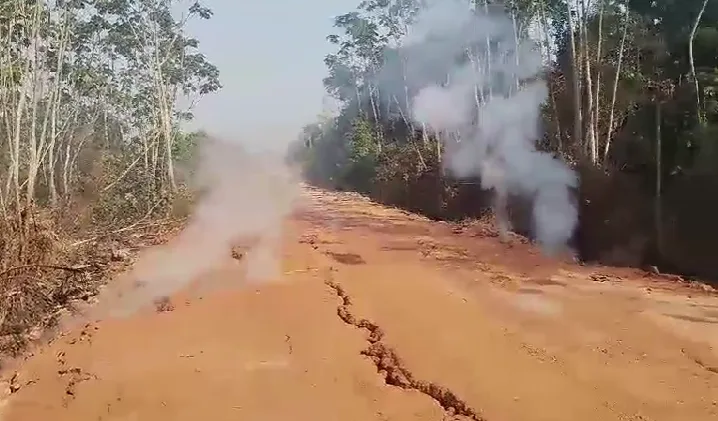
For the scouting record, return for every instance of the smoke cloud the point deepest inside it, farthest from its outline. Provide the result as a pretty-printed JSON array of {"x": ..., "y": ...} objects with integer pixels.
[
  {"x": 245, "y": 192},
  {"x": 492, "y": 101}
]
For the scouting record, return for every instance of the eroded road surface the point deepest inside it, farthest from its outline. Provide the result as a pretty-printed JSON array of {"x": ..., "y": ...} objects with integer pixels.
[{"x": 382, "y": 315}]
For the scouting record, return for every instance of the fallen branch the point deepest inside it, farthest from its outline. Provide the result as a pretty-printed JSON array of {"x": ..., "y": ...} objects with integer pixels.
[
  {"x": 75, "y": 269},
  {"x": 121, "y": 230},
  {"x": 129, "y": 168},
  {"x": 138, "y": 224}
]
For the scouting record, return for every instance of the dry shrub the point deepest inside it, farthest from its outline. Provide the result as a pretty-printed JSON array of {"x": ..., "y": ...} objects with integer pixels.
[
  {"x": 34, "y": 285},
  {"x": 27, "y": 239},
  {"x": 59, "y": 254},
  {"x": 122, "y": 198},
  {"x": 32, "y": 298},
  {"x": 182, "y": 203}
]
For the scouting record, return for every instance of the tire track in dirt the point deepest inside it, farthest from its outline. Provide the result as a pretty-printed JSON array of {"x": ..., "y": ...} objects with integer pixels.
[{"x": 390, "y": 366}]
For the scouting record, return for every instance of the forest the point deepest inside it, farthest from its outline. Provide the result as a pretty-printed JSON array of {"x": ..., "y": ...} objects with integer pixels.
[{"x": 631, "y": 107}]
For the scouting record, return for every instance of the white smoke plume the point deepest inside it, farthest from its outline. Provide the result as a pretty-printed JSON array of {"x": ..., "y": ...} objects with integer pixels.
[
  {"x": 493, "y": 101},
  {"x": 245, "y": 192}
]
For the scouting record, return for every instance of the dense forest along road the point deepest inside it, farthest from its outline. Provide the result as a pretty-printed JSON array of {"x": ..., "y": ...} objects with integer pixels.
[{"x": 382, "y": 315}]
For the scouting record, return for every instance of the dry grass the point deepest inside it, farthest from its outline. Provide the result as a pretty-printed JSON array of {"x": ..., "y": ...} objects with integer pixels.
[
  {"x": 47, "y": 273},
  {"x": 33, "y": 285},
  {"x": 32, "y": 299}
]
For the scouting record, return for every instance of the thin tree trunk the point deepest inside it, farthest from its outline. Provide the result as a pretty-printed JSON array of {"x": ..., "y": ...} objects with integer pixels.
[
  {"x": 422, "y": 162},
  {"x": 589, "y": 135},
  {"x": 597, "y": 96},
  {"x": 66, "y": 169},
  {"x": 478, "y": 94},
  {"x": 589, "y": 124},
  {"x": 659, "y": 176},
  {"x": 53, "y": 109},
  {"x": 575, "y": 79},
  {"x": 488, "y": 52},
  {"x": 552, "y": 95},
  {"x": 407, "y": 101},
  {"x": 375, "y": 112},
  {"x": 609, "y": 130},
  {"x": 33, "y": 164},
  {"x": 438, "y": 152},
  {"x": 699, "y": 109},
  {"x": 67, "y": 159},
  {"x": 516, "y": 47}
]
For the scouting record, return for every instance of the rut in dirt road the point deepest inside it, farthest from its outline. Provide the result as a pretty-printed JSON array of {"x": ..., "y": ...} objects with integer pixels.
[{"x": 390, "y": 366}]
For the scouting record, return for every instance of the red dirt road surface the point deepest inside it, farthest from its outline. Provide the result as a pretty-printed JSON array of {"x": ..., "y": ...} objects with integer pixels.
[{"x": 382, "y": 315}]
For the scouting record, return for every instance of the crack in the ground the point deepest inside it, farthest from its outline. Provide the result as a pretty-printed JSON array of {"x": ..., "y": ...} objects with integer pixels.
[
  {"x": 393, "y": 370},
  {"x": 705, "y": 366}
]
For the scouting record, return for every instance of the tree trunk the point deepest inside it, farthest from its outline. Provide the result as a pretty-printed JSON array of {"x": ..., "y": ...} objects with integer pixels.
[
  {"x": 516, "y": 52},
  {"x": 168, "y": 156},
  {"x": 575, "y": 79},
  {"x": 488, "y": 52},
  {"x": 596, "y": 94},
  {"x": 699, "y": 109},
  {"x": 377, "y": 124},
  {"x": 588, "y": 125},
  {"x": 609, "y": 130},
  {"x": 658, "y": 210},
  {"x": 552, "y": 95}
]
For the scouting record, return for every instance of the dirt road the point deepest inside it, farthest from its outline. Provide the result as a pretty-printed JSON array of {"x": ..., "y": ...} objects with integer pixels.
[{"x": 383, "y": 315}]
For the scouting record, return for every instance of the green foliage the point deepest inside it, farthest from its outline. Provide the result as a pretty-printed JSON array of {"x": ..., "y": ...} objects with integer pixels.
[
  {"x": 185, "y": 146},
  {"x": 114, "y": 70},
  {"x": 129, "y": 200},
  {"x": 362, "y": 156}
]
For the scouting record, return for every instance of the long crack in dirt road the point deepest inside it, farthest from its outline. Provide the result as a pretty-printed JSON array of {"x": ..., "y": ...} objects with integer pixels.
[
  {"x": 391, "y": 368},
  {"x": 383, "y": 315}
]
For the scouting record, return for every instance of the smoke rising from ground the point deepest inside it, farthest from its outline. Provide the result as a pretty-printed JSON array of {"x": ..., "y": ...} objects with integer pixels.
[
  {"x": 493, "y": 102},
  {"x": 245, "y": 192}
]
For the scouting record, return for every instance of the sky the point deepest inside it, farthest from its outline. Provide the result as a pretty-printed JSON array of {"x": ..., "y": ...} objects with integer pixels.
[{"x": 270, "y": 56}]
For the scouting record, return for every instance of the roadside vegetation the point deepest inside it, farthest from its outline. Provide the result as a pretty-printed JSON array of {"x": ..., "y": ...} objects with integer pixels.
[
  {"x": 632, "y": 107},
  {"x": 93, "y": 160}
]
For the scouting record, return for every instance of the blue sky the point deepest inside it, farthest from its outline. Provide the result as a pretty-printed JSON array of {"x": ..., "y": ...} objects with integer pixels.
[{"x": 270, "y": 55}]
